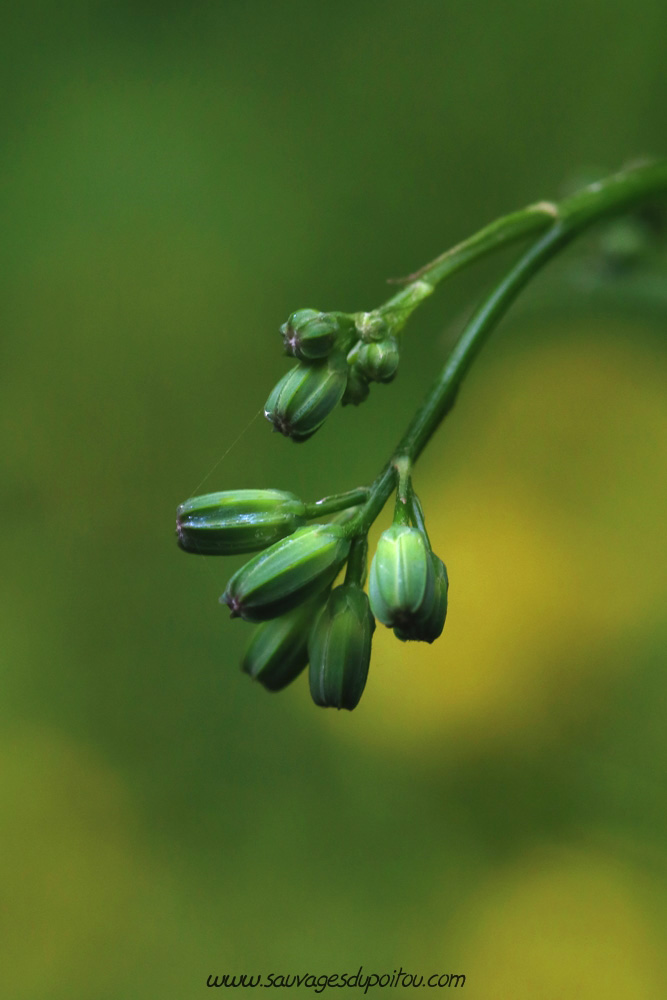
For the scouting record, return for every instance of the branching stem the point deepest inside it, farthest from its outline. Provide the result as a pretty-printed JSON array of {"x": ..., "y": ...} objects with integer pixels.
[{"x": 557, "y": 225}]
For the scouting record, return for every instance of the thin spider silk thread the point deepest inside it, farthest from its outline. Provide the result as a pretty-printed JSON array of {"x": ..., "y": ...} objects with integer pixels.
[
  {"x": 210, "y": 473},
  {"x": 224, "y": 454}
]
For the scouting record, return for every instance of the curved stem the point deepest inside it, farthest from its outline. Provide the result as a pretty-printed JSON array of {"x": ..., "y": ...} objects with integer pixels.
[
  {"x": 614, "y": 195},
  {"x": 443, "y": 393},
  {"x": 500, "y": 233},
  {"x": 606, "y": 197}
]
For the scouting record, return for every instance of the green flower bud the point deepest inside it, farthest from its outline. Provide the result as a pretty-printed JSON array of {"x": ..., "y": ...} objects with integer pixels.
[
  {"x": 428, "y": 626},
  {"x": 311, "y": 335},
  {"x": 280, "y": 578},
  {"x": 357, "y": 387},
  {"x": 278, "y": 651},
  {"x": 221, "y": 524},
  {"x": 340, "y": 648},
  {"x": 402, "y": 579},
  {"x": 371, "y": 326},
  {"x": 306, "y": 395},
  {"x": 378, "y": 361}
]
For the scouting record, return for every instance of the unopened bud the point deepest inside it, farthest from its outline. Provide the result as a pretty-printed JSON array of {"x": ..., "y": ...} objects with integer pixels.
[
  {"x": 378, "y": 361},
  {"x": 306, "y": 395},
  {"x": 283, "y": 576},
  {"x": 371, "y": 326},
  {"x": 278, "y": 650},
  {"x": 357, "y": 388},
  {"x": 402, "y": 580},
  {"x": 221, "y": 524},
  {"x": 311, "y": 335},
  {"x": 340, "y": 648}
]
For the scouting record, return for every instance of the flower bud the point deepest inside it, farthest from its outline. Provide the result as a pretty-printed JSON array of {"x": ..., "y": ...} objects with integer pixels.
[
  {"x": 278, "y": 651},
  {"x": 378, "y": 361},
  {"x": 283, "y": 576},
  {"x": 402, "y": 580},
  {"x": 371, "y": 326},
  {"x": 428, "y": 626},
  {"x": 306, "y": 395},
  {"x": 357, "y": 388},
  {"x": 221, "y": 524},
  {"x": 339, "y": 648},
  {"x": 311, "y": 335}
]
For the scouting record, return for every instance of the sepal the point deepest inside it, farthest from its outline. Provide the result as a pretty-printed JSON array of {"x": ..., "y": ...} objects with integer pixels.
[{"x": 427, "y": 626}]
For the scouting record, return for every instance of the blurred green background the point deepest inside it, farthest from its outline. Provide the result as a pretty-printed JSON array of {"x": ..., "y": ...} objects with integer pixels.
[{"x": 177, "y": 178}]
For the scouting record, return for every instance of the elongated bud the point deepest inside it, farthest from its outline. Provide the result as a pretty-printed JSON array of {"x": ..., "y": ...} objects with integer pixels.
[
  {"x": 278, "y": 651},
  {"x": 339, "y": 648},
  {"x": 427, "y": 626},
  {"x": 311, "y": 335},
  {"x": 378, "y": 361},
  {"x": 282, "y": 577},
  {"x": 402, "y": 580},
  {"x": 221, "y": 524},
  {"x": 305, "y": 396},
  {"x": 357, "y": 388}
]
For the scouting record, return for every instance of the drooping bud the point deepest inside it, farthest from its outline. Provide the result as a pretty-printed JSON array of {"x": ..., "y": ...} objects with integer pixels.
[
  {"x": 378, "y": 361},
  {"x": 311, "y": 335},
  {"x": 357, "y": 388},
  {"x": 428, "y": 626},
  {"x": 221, "y": 524},
  {"x": 278, "y": 651},
  {"x": 283, "y": 576},
  {"x": 339, "y": 648},
  {"x": 402, "y": 579},
  {"x": 306, "y": 395}
]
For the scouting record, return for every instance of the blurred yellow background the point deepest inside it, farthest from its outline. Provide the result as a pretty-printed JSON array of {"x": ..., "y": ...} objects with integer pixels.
[{"x": 176, "y": 179}]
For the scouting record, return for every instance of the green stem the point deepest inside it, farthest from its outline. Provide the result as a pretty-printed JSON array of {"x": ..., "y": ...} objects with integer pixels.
[
  {"x": 339, "y": 501},
  {"x": 503, "y": 232},
  {"x": 614, "y": 195},
  {"x": 591, "y": 204},
  {"x": 403, "y": 493},
  {"x": 356, "y": 562}
]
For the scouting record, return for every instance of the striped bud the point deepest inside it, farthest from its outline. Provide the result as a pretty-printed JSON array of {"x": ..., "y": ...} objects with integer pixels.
[
  {"x": 402, "y": 579},
  {"x": 357, "y": 388},
  {"x": 221, "y": 524},
  {"x": 428, "y": 626},
  {"x": 305, "y": 396},
  {"x": 378, "y": 361},
  {"x": 278, "y": 651},
  {"x": 339, "y": 648},
  {"x": 280, "y": 578},
  {"x": 311, "y": 335}
]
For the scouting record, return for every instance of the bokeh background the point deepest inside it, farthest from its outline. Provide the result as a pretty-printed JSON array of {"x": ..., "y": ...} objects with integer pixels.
[{"x": 176, "y": 179}]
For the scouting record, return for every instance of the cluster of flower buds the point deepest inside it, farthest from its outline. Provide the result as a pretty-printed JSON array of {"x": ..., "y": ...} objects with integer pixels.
[
  {"x": 287, "y": 588},
  {"x": 338, "y": 356}
]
